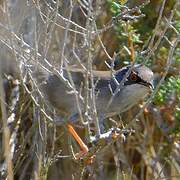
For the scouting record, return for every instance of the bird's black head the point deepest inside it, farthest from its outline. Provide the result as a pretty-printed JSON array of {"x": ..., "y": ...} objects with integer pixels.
[{"x": 139, "y": 74}]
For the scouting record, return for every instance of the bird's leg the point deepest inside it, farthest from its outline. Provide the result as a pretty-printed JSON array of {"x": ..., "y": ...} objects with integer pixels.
[{"x": 82, "y": 145}]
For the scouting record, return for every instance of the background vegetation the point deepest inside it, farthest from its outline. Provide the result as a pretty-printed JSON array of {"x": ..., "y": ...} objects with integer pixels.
[{"x": 99, "y": 35}]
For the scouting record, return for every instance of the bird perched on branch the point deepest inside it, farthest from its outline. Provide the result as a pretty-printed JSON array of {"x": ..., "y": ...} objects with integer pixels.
[{"x": 113, "y": 92}]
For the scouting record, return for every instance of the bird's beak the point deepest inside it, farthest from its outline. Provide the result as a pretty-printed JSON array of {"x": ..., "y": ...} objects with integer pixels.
[
  {"x": 148, "y": 84},
  {"x": 151, "y": 85}
]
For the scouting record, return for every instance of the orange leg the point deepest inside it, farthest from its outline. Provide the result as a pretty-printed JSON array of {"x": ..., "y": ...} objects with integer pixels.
[{"x": 83, "y": 147}]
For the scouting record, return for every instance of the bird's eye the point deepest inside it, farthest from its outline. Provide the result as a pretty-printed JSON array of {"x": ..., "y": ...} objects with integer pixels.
[{"x": 133, "y": 76}]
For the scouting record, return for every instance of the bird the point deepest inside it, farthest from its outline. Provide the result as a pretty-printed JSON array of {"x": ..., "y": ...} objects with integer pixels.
[
  {"x": 107, "y": 87},
  {"x": 114, "y": 92}
]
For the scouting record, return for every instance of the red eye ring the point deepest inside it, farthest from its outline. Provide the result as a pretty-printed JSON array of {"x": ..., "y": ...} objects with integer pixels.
[{"x": 133, "y": 76}]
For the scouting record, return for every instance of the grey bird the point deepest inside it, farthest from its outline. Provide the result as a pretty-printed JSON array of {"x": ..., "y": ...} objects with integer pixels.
[{"x": 114, "y": 92}]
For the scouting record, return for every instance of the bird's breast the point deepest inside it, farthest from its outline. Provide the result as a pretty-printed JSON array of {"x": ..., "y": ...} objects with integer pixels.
[{"x": 121, "y": 101}]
